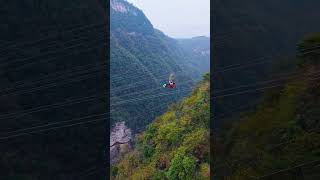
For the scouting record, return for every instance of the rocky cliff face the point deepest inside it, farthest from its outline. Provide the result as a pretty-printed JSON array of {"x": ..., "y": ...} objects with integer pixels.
[
  {"x": 122, "y": 7},
  {"x": 120, "y": 141}
]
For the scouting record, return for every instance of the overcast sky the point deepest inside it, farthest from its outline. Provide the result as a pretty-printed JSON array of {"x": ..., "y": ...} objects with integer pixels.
[{"x": 178, "y": 18}]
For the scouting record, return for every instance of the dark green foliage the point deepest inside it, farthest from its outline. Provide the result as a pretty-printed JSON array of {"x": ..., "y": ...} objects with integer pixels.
[
  {"x": 159, "y": 175},
  {"x": 182, "y": 166},
  {"x": 309, "y": 50},
  {"x": 206, "y": 77},
  {"x": 114, "y": 171},
  {"x": 148, "y": 151}
]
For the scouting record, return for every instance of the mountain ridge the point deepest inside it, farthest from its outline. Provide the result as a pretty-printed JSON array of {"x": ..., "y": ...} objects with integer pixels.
[{"x": 147, "y": 54}]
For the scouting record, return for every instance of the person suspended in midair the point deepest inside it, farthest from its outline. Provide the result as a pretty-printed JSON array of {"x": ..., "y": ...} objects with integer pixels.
[{"x": 171, "y": 83}]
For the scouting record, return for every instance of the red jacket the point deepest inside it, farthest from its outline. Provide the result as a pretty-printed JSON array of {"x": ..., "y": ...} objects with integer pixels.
[{"x": 171, "y": 85}]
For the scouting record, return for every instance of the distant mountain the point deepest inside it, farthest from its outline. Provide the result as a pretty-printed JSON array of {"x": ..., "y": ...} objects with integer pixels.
[
  {"x": 142, "y": 58},
  {"x": 196, "y": 44},
  {"x": 198, "y": 49}
]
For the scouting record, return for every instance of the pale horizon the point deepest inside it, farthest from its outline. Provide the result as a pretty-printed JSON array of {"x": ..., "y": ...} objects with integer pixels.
[{"x": 178, "y": 18}]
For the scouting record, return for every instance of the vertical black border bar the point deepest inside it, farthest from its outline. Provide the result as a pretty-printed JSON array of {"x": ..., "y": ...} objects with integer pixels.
[
  {"x": 108, "y": 84},
  {"x": 105, "y": 12},
  {"x": 107, "y": 42},
  {"x": 212, "y": 77}
]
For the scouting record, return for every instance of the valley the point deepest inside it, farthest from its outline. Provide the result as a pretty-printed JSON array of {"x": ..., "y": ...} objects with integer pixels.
[{"x": 142, "y": 59}]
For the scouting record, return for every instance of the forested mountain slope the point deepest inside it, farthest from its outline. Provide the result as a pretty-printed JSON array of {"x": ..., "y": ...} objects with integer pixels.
[
  {"x": 282, "y": 134},
  {"x": 142, "y": 58},
  {"x": 250, "y": 38},
  {"x": 175, "y": 145}
]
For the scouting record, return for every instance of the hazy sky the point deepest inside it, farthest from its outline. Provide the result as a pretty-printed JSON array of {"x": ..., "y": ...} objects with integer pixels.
[{"x": 178, "y": 18}]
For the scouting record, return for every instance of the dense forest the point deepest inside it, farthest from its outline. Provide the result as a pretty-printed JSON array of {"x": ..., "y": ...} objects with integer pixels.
[
  {"x": 175, "y": 145},
  {"x": 279, "y": 138}
]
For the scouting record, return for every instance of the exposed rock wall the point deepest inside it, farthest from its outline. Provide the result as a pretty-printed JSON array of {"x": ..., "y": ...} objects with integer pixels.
[{"x": 120, "y": 141}]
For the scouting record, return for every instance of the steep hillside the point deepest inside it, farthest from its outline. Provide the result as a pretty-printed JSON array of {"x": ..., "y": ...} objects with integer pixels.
[
  {"x": 142, "y": 58},
  {"x": 175, "y": 145},
  {"x": 283, "y": 131}
]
